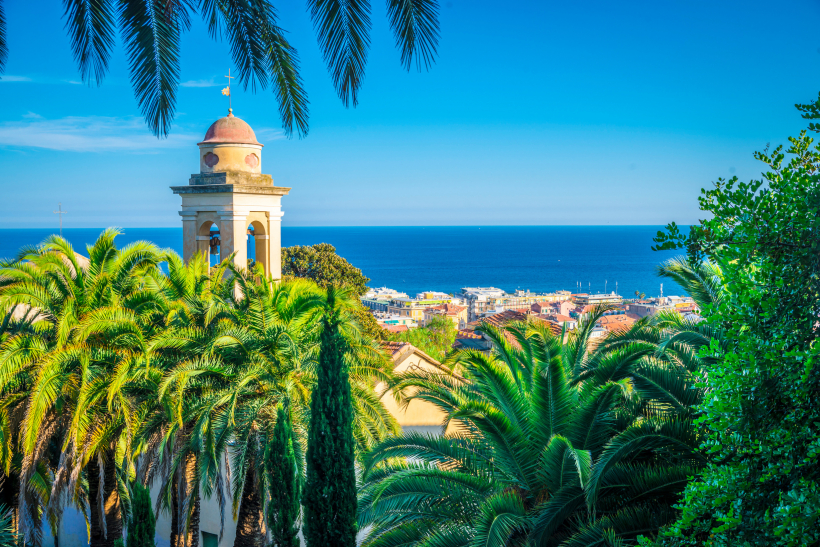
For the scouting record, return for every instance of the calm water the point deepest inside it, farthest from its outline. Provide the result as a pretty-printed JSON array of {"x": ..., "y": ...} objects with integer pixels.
[{"x": 413, "y": 259}]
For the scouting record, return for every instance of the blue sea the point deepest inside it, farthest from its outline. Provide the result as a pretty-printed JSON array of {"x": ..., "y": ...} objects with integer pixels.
[{"x": 416, "y": 259}]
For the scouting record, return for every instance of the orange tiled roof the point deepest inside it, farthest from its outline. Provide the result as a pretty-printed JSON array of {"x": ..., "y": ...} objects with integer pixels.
[
  {"x": 448, "y": 309},
  {"x": 502, "y": 318},
  {"x": 559, "y": 317},
  {"x": 616, "y": 322},
  {"x": 467, "y": 334},
  {"x": 391, "y": 347},
  {"x": 396, "y": 328}
]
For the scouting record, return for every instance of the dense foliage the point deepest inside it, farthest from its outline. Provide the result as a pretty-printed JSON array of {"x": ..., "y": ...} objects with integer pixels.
[
  {"x": 323, "y": 266},
  {"x": 762, "y": 420},
  {"x": 142, "y": 524},
  {"x": 435, "y": 339},
  {"x": 330, "y": 485},
  {"x": 549, "y": 442},
  {"x": 151, "y": 32},
  {"x": 284, "y": 507},
  {"x": 112, "y": 371}
]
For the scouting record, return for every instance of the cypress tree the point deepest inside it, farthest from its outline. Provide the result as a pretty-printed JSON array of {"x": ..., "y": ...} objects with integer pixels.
[
  {"x": 330, "y": 490},
  {"x": 285, "y": 484},
  {"x": 142, "y": 526}
]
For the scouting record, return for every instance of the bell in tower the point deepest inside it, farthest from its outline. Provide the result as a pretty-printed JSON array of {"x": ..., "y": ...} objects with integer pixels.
[{"x": 231, "y": 194}]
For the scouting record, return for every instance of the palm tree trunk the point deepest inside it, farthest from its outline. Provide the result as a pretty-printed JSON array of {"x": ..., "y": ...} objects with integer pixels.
[
  {"x": 93, "y": 471},
  {"x": 249, "y": 531},
  {"x": 192, "y": 491},
  {"x": 175, "y": 510},
  {"x": 111, "y": 505}
]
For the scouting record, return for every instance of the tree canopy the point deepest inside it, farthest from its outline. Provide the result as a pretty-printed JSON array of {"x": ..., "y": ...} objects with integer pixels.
[{"x": 761, "y": 419}]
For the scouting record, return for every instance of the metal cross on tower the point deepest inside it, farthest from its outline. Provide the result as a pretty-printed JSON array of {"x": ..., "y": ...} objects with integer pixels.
[
  {"x": 227, "y": 90},
  {"x": 59, "y": 212}
]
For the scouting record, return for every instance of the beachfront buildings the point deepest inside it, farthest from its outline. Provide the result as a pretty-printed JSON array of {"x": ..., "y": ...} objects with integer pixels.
[
  {"x": 644, "y": 308},
  {"x": 483, "y": 301},
  {"x": 584, "y": 299}
]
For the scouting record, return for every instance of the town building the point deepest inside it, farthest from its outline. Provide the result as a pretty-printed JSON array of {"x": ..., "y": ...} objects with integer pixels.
[
  {"x": 456, "y": 314},
  {"x": 561, "y": 307},
  {"x": 414, "y": 308},
  {"x": 618, "y": 322},
  {"x": 584, "y": 299},
  {"x": 418, "y": 416},
  {"x": 383, "y": 293},
  {"x": 650, "y": 306},
  {"x": 484, "y": 301}
]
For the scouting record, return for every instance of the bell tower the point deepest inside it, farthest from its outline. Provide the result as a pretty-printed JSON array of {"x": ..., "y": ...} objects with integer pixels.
[{"x": 230, "y": 202}]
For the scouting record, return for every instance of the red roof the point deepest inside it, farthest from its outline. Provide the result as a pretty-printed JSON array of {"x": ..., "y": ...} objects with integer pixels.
[
  {"x": 448, "y": 309},
  {"x": 616, "y": 322},
  {"x": 393, "y": 347},
  {"x": 395, "y": 328}
]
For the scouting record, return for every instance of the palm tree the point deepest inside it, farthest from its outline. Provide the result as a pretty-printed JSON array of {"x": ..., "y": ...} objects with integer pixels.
[
  {"x": 151, "y": 31},
  {"x": 194, "y": 318},
  {"x": 265, "y": 355},
  {"x": 551, "y": 443},
  {"x": 89, "y": 329}
]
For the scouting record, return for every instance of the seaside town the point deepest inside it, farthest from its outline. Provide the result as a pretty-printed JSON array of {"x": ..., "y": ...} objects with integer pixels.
[
  {"x": 396, "y": 312},
  {"x": 218, "y": 368}
]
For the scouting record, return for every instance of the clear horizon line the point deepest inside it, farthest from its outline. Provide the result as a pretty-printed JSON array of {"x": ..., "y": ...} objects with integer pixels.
[{"x": 353, "y": 226}]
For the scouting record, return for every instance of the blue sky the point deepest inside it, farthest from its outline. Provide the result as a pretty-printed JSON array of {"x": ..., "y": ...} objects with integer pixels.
[{"x": 535, "y": 113}]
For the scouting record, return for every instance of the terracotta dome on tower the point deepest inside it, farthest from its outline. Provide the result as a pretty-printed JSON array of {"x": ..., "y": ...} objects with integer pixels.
[
  {"x": 230, "y": 145},
  {"x": 230, "y": 130}
]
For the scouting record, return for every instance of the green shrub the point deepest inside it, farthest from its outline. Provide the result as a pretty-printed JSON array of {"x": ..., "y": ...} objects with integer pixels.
[{"x": 142, "y": 525}]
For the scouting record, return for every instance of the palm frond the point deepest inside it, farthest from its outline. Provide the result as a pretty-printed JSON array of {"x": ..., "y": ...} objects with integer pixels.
[
  {"x": 4, "y": 48},
  {"x": 151, "y": 33},
  {"x": 343, "y": 28},
  {"x": 415, "y": 26},
  {"x": 91, "y": 28},
  {"x": 283, "y": 65},
  {"x": 245, "y": 22}
]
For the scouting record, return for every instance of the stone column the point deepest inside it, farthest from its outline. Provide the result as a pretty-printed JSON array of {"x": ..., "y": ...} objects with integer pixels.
[
  {"x": 275, "y": 245},
  {"x": 233, "y": 231},
  {"x": 189, "y": 234},
  {"x": 203, "y": 246}
]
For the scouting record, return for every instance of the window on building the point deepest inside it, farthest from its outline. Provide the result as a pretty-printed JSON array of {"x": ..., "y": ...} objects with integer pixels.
[{"x": 210, "y": 540}]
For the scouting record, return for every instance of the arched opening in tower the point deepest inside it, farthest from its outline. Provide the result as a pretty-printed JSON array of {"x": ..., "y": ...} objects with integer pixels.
[
  {"x": 258, "y": 240},
  {"x": 214, "y": 245}
]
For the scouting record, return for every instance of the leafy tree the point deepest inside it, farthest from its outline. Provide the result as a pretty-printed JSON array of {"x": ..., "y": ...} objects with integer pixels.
[
  {"x": 330, "y": 490},
  {"x": 762, "y": 482},
  {"x": 435, "y": 339},
  {"x": 284, "y": 506},
  {"x": 553, "y": 444},
  {"x": 141, "y": 524},
  {"x": 323, "y": 266},
  {"x": 152, "y": 31}
]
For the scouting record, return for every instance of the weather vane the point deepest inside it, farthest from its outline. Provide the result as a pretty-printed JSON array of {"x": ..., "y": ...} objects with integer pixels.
[{"x": 227, "y": 90}]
